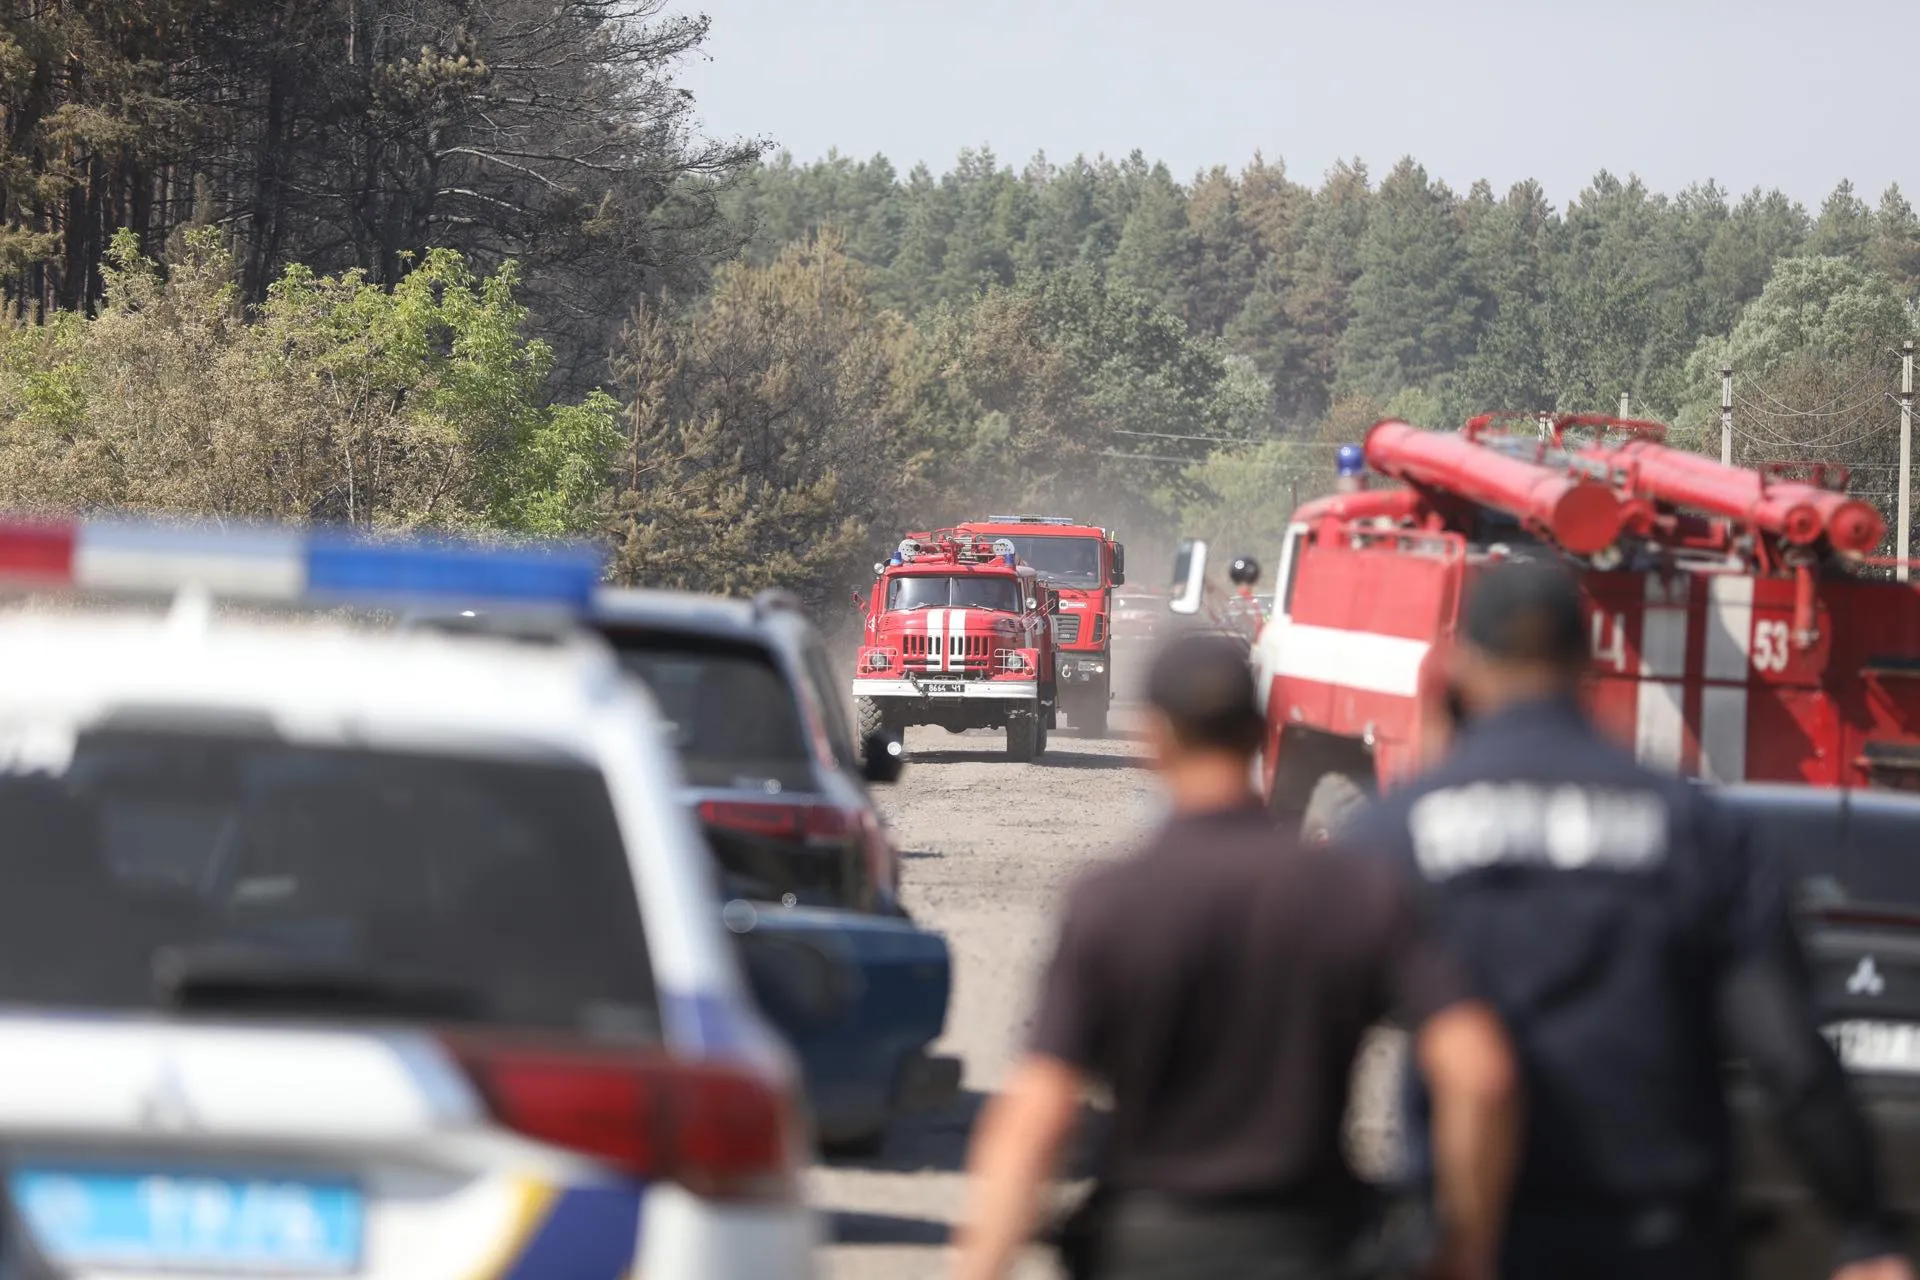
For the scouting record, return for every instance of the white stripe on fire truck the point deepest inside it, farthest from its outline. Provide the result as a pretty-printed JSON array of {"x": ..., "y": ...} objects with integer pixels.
[
  {"x": 1723, "y": 733},
  {"x": 937, "y": 639},
  {"x": 1729, "y": 627},
  {"x": 957, "y": 628},
  {"x": 1351, "y": 659},
  {"x": 1660, "y": 719},
  {"x": 1729, "y": 656}
]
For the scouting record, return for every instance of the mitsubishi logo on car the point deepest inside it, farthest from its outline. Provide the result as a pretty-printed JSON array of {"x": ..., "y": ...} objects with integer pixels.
[{"x": 1866, "y": 979}]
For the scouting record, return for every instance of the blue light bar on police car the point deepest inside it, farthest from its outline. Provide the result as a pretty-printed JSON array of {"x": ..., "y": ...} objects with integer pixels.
[{"x": 290, "y": 565}]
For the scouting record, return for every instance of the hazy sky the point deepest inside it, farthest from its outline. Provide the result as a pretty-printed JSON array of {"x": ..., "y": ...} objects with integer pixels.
[{"x": 1766, "y": 92}]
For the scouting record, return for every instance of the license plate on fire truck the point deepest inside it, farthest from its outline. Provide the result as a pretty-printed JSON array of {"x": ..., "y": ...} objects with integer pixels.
[
  {"x": 1877, "y": 1046},
  {"x": 944, "y": 686}
]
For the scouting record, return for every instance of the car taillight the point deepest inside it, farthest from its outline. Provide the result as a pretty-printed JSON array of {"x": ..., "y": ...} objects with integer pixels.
[
  {"x": 716, "y": 1129},
  {"x": 779, "y": 821}
]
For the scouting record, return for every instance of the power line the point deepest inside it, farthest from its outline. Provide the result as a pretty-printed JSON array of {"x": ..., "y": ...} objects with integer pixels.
[{"x": 1247, "y": 440}]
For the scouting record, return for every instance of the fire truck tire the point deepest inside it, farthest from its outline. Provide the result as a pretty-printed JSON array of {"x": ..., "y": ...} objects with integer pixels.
[
  {"x": 872, "y": 719},
  {"x": 1023, "y": 736},
  {"x": 1335, "y": 799}
]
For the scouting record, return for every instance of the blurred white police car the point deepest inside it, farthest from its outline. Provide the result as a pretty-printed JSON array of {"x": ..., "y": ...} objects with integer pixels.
[{"x": 336, "y": 951}]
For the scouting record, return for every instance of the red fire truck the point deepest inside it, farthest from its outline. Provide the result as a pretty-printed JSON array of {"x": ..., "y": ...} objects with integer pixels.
[
  {"x": 958, "y": 634},
  {"x": 1742, "y": 629},
  {"x": 1083, "y": 564}
]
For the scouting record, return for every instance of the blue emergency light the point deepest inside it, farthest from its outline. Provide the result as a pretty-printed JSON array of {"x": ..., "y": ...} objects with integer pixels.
[
  {"x": 1351, "y": 460},
  {"x": 292, "y": 565}
]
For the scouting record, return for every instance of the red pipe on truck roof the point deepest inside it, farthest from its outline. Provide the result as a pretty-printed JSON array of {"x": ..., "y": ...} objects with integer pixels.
[
  {"x": 1582, "y": 515},
  {"x": 1789, "y": 509}
]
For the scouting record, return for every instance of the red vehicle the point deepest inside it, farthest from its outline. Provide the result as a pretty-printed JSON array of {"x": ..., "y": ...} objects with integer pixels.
[
  {"x": 1083, "y": 564},
  {"x": 958, "y": 634},
  {"x": 1738, "y": 631}
]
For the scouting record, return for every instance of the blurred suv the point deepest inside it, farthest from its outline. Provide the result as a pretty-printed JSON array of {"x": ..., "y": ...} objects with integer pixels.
[
  {"x": 1854, "y": 860},
  {"x": 332, "y": 951},
  {"x": 766, "y": 742}
]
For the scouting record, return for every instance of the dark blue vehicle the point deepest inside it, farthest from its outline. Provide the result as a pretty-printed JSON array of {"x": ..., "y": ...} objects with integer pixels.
[{"x": 780, "y": 785}]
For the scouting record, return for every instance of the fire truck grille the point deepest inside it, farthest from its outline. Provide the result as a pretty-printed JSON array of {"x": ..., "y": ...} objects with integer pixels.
[
  {"x": 1066, "y": 628},
  {"x": 926, "y": 649}
]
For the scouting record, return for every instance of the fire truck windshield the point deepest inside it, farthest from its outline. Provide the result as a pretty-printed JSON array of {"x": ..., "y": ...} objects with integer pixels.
[
  {"x": 959, "y": 591},
  {"x": 1067, "y": 562}
]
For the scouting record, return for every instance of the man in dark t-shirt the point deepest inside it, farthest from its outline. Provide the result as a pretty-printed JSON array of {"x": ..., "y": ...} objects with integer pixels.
[{"x": 1219, "y": 982}]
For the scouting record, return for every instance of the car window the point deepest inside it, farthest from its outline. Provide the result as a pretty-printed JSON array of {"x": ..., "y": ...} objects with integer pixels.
[
  {"x": 735, "y": 720},
  {"x": 1069, "y": 562},
  {"x": 827, "y": 693},
  {"x": 1864, "y": 852},
  {"x": 960, "y": 591},
  {"x": 506, "y": 880},
  {"x": 1883, "y": 852}
]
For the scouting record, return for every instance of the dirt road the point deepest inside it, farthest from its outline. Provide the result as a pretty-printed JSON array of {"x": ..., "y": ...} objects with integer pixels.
[{"x": 990, "y": 845}]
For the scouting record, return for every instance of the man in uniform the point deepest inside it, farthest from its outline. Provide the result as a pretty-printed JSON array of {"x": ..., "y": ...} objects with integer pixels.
[
  {"x": 1633, "y": 944},
  {"x": 1219, "y": 983}
]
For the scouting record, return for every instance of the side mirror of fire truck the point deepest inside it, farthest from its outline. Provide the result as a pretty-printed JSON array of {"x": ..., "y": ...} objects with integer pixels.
[
  {"x": 1189, "y": 576},
  {"x": 883, "y": 757},
  {"x": 1119, "y": 565}
]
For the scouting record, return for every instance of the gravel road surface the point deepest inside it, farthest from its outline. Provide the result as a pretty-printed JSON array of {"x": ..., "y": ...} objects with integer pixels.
[{"x": 990, "y": 846}]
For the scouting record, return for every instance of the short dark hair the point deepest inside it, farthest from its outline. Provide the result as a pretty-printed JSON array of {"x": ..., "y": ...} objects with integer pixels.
[
  {"x": 1527, "y": 613},
  {"x": 1203, "y": 685}
]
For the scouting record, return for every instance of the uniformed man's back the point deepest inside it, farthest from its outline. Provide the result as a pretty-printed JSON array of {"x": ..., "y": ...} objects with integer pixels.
[
  {"x": 1596, "y": 901},
  {"x": 1633, "y": 944}
]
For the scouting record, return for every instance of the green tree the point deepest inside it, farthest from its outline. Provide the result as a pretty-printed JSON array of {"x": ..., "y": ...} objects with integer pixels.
[
  {"x": 1895, "y": 250},
  {"x": 1155, "y": 256},
  {"x": 1844, "y": 228},
  {"x": 1413, "y": 305},
  {"x": 1813, "y": 373},
  {"x": 334, "y": 400}
]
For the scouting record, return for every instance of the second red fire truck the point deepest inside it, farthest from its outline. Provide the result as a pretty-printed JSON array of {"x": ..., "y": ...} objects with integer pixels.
[{"x": 1082, "y": 563}]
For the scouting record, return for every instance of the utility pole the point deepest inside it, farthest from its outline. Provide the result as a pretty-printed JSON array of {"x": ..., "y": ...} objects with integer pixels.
[
  {"x": 1906, "y": 456},
  {"x": 1626, "y": 404},
  {"x": 1726, "y": 415}
]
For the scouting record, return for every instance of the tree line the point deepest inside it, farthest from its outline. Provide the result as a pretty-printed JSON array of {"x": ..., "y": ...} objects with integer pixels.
[{"x": 470, "y": 263}]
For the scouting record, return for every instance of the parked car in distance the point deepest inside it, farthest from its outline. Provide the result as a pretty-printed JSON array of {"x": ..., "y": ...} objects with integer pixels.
[
  {"x": 766, "y": 740},
  {"x": 803, "y": 861}
]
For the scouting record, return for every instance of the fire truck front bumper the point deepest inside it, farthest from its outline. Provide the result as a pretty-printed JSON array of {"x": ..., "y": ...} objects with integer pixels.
[
  {"x": 934, "y": 689},
  {"x": 1079, "y": 668}
]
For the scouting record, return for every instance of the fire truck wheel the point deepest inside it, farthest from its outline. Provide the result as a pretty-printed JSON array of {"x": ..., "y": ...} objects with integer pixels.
[
  {"x": 872, "y": 719},
  {"x": 1023, "y": 736},
  {"x": 1334, "y": 801}
]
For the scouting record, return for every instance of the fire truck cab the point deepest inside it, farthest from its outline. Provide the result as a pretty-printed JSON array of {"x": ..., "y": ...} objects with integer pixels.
[
  {"x": 1082, "y": 563},
  {"x": 958, "y": 634},
  {"x": 1738, "y": 632}
]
